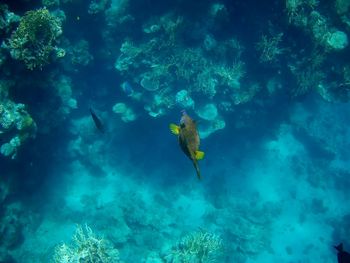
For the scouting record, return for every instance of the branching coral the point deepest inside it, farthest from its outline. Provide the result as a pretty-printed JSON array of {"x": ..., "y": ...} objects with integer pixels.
[
  {"x": 308, "y": 74},
  {"x": 34, "y": 40},
  {"x": 87, "y": 248},
  {"x": 269, "y": 48},
  {"x": 197, "y": 247},
  {"x": 298, "y": 10}
]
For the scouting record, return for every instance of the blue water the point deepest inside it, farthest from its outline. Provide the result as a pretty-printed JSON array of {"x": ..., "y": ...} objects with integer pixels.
[{"x": 268, "y": 85}]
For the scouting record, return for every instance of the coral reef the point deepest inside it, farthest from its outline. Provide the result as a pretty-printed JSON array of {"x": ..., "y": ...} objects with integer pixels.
[
  {"x": 162, "y": 64},
  {"x": 86, "y": 247},
  {"x": 197, "y": 247},
  {"x": 16, "y": 126},
  {"x": 34, "y": 41},
  {"x": 144, "y": 67}
]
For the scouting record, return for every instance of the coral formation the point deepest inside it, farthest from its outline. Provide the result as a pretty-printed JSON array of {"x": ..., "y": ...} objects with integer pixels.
[
  {"x": 124, "y": 111},
  {"x": 192, "y": 55},
  {"x": 80, "y": 54},
  {"x": 86, "y": 247},
  {"x": 197, "y": 247},
  {"x": 269, "y": 48},
  {"x": 34, "y": 41},
  {"x": 7, "y": 19},
  {"x": 16, "y": 126},
  {"x": 183, "y": 99}
]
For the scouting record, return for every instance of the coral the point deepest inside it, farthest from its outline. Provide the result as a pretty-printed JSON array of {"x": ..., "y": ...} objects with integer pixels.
[
  {"x": 218, "y": 10},
  {"x": 63, "y": 89},
  {"x": 298, "y": 11},
  {"x": 161, "y": 102},
  {"x": 149, "y": 83},
  {"x": 128, "y": 56},
  {"x": 16, "y": 126},
  {"x": 161, "y": 63},
  {"x": 126, "y": 113},
  {"x": 50, "y": 3},
  {"x": 208, "y": 112},
  {"x": 7, "y": 19},
  {"x": 86, "y": 247},
  {"x": 115, "y": 13},
  {"x": 80, "y": 54},
  {"x": 183, "y": 99},
  {"x": 269, "y": 48},
  {"x": 337, "y": 40},
  {"x": 207, "y": 128},
  {"x": 342, "y": 6},
  {"x": 34, "y": 40},
  {"x": 197, "y": 247},
  {"x": 308, "y": 74},
  {"x": 96, "y": 6}
]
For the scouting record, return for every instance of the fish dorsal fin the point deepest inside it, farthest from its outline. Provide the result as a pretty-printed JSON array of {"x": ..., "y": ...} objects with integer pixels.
[
  {"x": 199, "y": 155},
  {"x": 174, "y": 129}
]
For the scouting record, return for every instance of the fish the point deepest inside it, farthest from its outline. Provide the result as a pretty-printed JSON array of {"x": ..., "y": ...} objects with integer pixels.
[
  {"x": 188, "y": 139},
  {"x": 97, "y": 121},
  {"x": 343, "y": 256}
]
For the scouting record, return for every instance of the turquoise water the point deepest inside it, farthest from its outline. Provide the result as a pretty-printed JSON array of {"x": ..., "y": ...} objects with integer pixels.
[{"x": 268, "y": 85}]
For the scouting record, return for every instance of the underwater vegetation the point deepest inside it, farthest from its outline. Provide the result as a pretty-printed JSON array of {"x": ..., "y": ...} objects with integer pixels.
[{"x": 90, "y": 173}]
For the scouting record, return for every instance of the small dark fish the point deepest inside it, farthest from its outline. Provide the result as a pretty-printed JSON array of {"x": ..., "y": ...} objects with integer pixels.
[
  {"x": 343, "y": 256},
  {"x": 97, "y": 121},
  {"x": 188, "y": 139}
]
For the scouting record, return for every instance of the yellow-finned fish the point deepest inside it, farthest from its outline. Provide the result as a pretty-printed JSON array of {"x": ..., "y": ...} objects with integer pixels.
[{"x": 188, "y": 139}]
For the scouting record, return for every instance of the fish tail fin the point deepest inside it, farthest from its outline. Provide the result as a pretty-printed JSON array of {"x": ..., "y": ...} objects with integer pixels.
[
  {"x": 339, "y": 247},
  {"x": 199, "y": 155},
  {"x": 197, "y": 169},
  {"x": 174, "y": 129}
]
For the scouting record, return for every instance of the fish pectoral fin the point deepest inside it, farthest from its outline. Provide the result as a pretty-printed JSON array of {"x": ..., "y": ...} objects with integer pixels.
[
  {"x": 174, "y": 129},
  {"x": 199, "y": 155}
]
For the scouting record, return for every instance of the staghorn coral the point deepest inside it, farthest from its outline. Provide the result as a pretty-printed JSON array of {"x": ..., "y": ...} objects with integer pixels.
[
  {"x": 197, "y": 247},
  {"x": 298, "y": 11},
  {"x": 308, "y": 73},
  {"x": 34, "y": 40},
  {"x": 87, "y": 248},
  {"x": 269, "y": 48}
]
